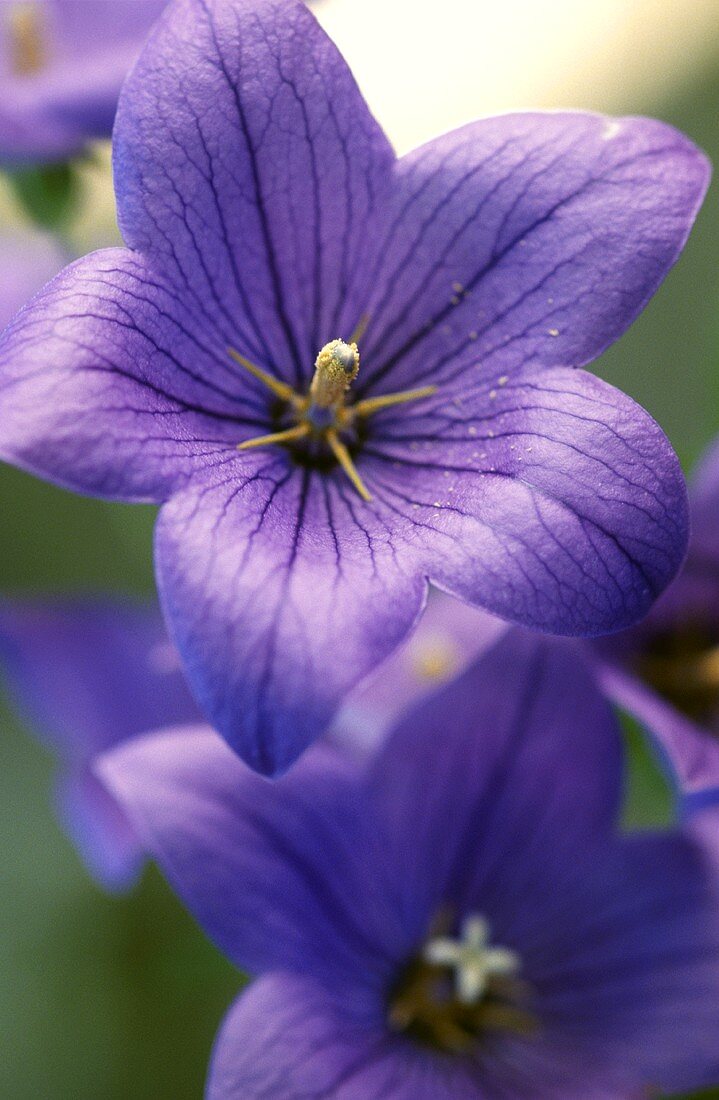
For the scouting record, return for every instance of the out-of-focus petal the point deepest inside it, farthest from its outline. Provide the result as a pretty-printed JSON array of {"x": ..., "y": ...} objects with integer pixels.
[
  {"x": 518, "y": 756},
  {"x": 280, "y": 875}
]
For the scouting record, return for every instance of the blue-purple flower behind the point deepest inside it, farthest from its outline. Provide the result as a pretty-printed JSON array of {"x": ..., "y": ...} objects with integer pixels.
[
  {"x": 62, "y": 64},
  {"x": 273, "y": 237},
  {"x": 458, "y": 919}
]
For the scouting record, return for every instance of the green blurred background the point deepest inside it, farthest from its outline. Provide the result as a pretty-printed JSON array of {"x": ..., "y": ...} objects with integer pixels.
[{"x": 105, "y": 997}]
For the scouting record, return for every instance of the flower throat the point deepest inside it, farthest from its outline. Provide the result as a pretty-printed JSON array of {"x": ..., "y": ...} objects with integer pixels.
[
  {"x": 459, "y": 990},
  {"x": 322, "y": 415}
]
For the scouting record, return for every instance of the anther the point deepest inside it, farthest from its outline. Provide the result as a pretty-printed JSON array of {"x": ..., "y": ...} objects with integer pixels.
[
  {"x": 27, "y": 53},
  {"x": 336, "y": 367}
]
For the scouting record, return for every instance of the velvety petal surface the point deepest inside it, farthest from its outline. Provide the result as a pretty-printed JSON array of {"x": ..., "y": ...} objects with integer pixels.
[
  {"x": 247, "y": 160},
  {"x": 87, "y": 674},
  {"x": 525, "y": 751},
  {"x": 280, "y": 875},
  {"x": 552, "y": 499},
  {"x": 526, "y": 238},
  {"x": 282, "y": 592},
  {"x": 106, "y": 383}
]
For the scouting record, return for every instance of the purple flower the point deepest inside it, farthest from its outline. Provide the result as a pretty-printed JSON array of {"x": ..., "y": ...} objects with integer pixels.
[
  {"x": 271, "y": 234},
  {"x": 460, "y": 919},
  {"x": 87, "y": 676},
  {"x": 28, "y": 260},
  {"x": 666, "y": 670},
  {"x": 62, "y": 64}
]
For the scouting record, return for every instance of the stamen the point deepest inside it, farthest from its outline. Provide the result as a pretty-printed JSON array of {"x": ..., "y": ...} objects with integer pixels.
[
  {"x": 373, "y": 404},
  {"x": 288, "y": 436},
  {"x": 280, "y": 389},
  {"x": 25, "y": 34},
  {"x": 360, "y": 329},
  {"x": 343, "y": 457}
]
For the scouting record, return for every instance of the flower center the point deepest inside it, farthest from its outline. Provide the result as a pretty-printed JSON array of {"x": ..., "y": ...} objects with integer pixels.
[
  {"x": 321, "y": 422},
  {"x": 682, "y": 665},
  {"x": 26, "y": 44},
  {"x": 458, "y": 990}
]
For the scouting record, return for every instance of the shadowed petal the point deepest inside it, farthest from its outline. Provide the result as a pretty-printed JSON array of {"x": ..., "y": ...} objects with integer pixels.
[
  {"x": 279, "y": 874},
  {"x": 527, "y": 238},
  {"x": 106, "y": 383},
  {"x": 522, "y": 750},
  {"x": 282, "y": 592},
  {"x": 554, "y": 501},
  {"x": 246, "y": 157}
]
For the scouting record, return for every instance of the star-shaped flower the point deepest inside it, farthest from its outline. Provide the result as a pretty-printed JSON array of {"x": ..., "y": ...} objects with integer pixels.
[
  {"x": 273, "y": 237},
  {"x": 496, "y": 798},
  {"x": 62, "y": 64}
]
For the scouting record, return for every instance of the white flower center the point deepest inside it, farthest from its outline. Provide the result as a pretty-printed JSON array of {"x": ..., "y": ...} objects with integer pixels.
[{"x": 472, "y": 958}]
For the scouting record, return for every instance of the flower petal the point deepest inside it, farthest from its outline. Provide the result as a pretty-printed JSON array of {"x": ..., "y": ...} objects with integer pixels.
[
  {"x": 100, "y": 831},
  {"x": 527, "y": 238},
  {"x": 282, "y": 591},
  {"x": 106, "y": 383},
  {"x": 624, "y": 957},
  {"x": 704, "y": 495},
  {"x": 552, "y": 500},
  {"x": 517, "y": 754},
  {"x": 448, "y": 637},
  {"x": 691, "y": 754},
  {"x": 88, "y": 674},
  {"x": 246, "y": 158},
  {"x": 287, "y": 1037},
  {"x": 278, "y": 874}
]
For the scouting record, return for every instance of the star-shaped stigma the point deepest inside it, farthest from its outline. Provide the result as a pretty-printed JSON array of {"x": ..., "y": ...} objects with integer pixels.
[
  {"x": 322, "y": 415},
  {"x": 472, "y": 958}
]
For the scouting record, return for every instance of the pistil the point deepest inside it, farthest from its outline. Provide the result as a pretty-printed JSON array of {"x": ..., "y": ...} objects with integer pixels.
[{"x": 323, "y": 413}]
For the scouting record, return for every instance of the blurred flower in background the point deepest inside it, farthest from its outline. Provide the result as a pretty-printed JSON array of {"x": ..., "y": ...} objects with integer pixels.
[{"x": 62, "y": 64}]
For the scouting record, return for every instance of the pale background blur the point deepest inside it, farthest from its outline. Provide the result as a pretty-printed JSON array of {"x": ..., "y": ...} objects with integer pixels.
[{"x": 119, "y": 998}]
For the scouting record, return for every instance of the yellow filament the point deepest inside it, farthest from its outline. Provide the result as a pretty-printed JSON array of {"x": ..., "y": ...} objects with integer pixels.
[
  {"x": 343, "y": 457},
  {"x": 374, "y": 404},
  {"x": 288, "y": 436},
  {"x": 280, "y": 389}
]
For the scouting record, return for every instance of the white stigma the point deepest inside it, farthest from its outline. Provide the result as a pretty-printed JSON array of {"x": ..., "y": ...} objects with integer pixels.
[{"x": 472, "y": 958}]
